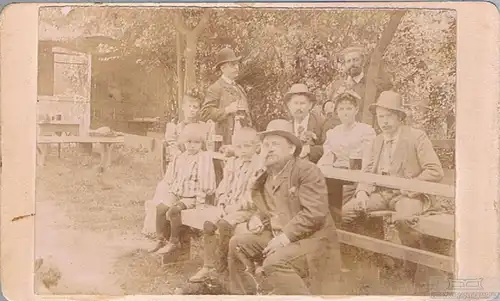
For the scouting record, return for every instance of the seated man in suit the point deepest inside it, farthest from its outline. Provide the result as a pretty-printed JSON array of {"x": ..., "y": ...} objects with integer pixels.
[
  {"x": 399, "y": 151},
  {"x": 307, "y": 125}
]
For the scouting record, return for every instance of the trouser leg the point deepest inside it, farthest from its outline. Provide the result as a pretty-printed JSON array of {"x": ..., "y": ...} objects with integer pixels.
[
  {"x": 248, "y": 247},
  {"x": 285, "y": 270}
]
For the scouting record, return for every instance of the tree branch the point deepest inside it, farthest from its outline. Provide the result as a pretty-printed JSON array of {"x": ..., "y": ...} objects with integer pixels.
[
  {"x": 202, "y": 24},
  {"x": 179, "y": 24}
]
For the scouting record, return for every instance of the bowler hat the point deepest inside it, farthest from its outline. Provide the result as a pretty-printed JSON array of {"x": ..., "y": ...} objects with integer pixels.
[
  {"x": 226, "y": 55},
  {"x": 389, "y": 100},
  {"x": 300, "y": 89},
  {"x": 283, "y": 128}
]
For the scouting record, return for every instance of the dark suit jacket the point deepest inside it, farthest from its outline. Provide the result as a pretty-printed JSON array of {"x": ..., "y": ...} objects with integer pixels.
[
  {"x": 319, "y": 126},
  {"x": 414, "y": 158},
  {"x": 219, "y": 95},
  {"x": 300, "y": 196}
]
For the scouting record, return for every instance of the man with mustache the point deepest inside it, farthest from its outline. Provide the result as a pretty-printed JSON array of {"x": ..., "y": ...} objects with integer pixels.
[
  {"x": 354, "y": 65},
  {"x": 399, "y": 151},
  {"x": 297, "y": 243},
  {"x": 309, "y": 126}
]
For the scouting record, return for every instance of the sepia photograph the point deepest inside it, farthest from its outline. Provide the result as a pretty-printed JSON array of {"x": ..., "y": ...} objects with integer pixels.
[{"x": 245, "y": 151}]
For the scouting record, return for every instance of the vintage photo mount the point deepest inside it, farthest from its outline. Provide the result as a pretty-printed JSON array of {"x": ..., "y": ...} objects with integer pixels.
[{"x": 477, "y": 143}]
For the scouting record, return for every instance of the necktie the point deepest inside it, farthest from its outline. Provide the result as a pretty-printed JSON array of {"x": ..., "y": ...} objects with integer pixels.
[{"x": 300, "y": 130}]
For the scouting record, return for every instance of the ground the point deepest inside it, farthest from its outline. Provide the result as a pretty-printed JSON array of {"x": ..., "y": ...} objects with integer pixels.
[{"x": 91, "y": 227}]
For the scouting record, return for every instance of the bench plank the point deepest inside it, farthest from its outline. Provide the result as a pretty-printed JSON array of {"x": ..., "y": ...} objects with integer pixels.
[
  {"x": 389, "y": 181},
  {"x": 439, "y": 225},
  {"x": 430, "y": 259},
  {"x": 78, "y": 139}
]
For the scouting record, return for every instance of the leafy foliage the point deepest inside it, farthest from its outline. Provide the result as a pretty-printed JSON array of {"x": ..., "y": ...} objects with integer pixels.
[{"x": 279, "y": 48}]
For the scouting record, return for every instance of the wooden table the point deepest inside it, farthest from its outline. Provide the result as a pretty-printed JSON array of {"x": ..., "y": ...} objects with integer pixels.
[
  {"x": 106, "y": 142},
  {"x": 58, "y": 128}
]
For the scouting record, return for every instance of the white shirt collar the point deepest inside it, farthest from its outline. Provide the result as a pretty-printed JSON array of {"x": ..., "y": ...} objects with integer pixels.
[
  {"x": 227, "y": 80},
  {"x": 304, "y": 124},
  {"x": 357, "y": 78}
]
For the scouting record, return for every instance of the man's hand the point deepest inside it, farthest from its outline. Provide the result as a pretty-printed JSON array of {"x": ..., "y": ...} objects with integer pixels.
[
  {"x": 409, "y": 194},
  {"x": 276, "y": 243},
  {"x": 306, "y": 149},
  {"x": 231, "y": 108}
]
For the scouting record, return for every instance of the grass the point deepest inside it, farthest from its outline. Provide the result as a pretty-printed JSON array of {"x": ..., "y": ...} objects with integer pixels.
[{"x": 115, "y": 207}]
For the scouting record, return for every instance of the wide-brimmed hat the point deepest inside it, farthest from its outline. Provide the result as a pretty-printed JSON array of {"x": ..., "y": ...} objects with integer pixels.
[
  {"x": 226, "y": 55},
  {"x": 283, "y": 128},
  {"x": 389, "y": 100},
  {"x": 300, "y": 89}
]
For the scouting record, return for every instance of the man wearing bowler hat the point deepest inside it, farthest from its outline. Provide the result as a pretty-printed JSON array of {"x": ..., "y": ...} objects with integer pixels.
[
  {"x": 308, "y": 126},
  {"x": 225, "y": 101},
  {"x": 399, "y": 151},
  {"x": 354, "y": 65},
  {"x": 296, "y": 240}
]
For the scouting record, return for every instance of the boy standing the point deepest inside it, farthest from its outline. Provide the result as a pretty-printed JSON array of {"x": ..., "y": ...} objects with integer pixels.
[
  {"x": 190, "y": 177},
  {"x": 235, "y": 204}
]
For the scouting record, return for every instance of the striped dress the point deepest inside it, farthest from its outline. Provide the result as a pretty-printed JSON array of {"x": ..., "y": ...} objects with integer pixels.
[{"x": 191, "y": 176}]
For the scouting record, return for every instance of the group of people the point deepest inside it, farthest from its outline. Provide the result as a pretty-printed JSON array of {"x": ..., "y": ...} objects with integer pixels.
[{"x": 278, "y": 212}]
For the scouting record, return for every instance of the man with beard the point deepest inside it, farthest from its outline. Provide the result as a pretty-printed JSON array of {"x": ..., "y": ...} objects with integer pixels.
[
  {"x": 308, "y": 126},
  {"x": 354, "y": 61}
]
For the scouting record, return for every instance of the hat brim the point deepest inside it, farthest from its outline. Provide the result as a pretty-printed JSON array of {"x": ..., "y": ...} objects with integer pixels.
[
  {"x": 310, "y": 95},
  {"x": 373, "y": 106},
  {"x": 238, "y": 58},
  {"x": 289, "y": 136}
]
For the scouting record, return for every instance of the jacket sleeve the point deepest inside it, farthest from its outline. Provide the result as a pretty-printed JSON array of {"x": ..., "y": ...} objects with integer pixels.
[
  {"x": 317, "y": 149},
  {"x": 210, "y": 109},
  {"x": 313, "y": 200},
  {"x": 432, "y": 169}
]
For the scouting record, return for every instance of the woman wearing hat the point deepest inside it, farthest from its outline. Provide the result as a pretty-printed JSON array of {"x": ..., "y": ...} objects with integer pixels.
[{"x": 345, "y": 146}]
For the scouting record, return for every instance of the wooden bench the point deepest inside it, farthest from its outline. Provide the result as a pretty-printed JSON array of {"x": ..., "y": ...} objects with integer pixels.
[
  {"x": 106, "y": 143},
  {"x": 440, "y": 225}
]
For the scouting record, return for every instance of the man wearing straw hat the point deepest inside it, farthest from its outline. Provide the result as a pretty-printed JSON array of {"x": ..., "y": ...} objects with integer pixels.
[
  {"x": 308, "y": 126},
  {"x": 354, "y": 61},
  {"x": 296, "y": 239},
  {"x": 399, "y": 151},
  {"x": 225, "y": 101}
]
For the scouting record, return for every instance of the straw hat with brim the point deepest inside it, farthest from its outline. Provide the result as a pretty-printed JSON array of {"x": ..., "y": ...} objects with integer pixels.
[
  {"x": 226, "y": 55},
  {"x": 283, "y": 128},
  {"x": 299, "y": 89},
  {"x": 389, "y": 100},
  {"x": 347, "y": 95}
]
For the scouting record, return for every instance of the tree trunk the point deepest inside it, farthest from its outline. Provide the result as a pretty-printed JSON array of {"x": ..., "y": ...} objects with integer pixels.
[
  {"x": 180, "y": 74},
  {"x": 376, "y": 62},
  {"x": 190, "y": 56}
]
